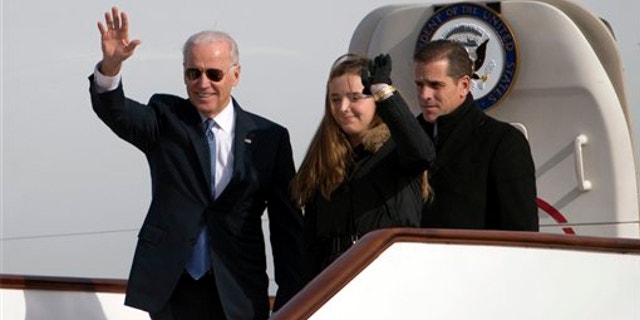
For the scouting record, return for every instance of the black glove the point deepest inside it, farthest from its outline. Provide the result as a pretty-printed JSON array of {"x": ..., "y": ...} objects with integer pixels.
[{"x": 379, "y": 71}]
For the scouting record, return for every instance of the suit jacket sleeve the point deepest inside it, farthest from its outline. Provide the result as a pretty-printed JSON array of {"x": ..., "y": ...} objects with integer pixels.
[
  {"x": 130, "y": 120},
  {"x": 285, "y": 225}
]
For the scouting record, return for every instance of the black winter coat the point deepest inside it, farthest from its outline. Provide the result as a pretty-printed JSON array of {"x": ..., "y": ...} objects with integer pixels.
[
  {"x": 382, "y": 188},
  {"x": 483, "y": 176}
]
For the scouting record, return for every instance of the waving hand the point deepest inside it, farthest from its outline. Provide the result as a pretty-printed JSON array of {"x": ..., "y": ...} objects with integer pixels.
[{"x": 116, "y": 47}]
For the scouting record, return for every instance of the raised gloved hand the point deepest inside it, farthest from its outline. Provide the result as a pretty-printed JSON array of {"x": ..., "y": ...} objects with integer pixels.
[{"x": 379, "y": 71}]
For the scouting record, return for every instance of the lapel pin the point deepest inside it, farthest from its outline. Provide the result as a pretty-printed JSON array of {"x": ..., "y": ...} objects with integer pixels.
[{"x": 247, "y": 140}]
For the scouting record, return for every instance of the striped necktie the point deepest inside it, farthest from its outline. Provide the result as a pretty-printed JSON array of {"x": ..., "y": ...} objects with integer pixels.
[{"x": 200, "y": 261}]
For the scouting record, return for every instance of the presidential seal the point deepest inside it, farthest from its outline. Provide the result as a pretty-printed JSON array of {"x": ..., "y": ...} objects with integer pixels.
[{"x": 489, "y": 41}]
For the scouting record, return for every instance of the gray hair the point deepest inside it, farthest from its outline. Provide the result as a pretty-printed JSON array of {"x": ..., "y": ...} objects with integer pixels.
[{"x": 211, "y": 36}]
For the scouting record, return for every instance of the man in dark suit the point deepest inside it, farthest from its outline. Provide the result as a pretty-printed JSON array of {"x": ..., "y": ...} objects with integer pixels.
[
  {"x": 214, "y": 170},
  {"x": 483, "y": 176}
]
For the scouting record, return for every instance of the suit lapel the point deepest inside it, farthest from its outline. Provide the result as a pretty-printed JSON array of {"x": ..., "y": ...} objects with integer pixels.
[
  {"x": 243, "y": 138},
  {"x": 242, "y": 142},
  {"x": 195, "y": 129}
]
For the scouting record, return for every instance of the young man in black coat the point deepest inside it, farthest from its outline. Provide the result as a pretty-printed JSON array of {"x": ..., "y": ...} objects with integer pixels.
[{"x": 483, "y": 176}]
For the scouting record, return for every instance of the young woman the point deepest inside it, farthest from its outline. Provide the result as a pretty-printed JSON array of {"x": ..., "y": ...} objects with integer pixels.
[{"x": 366, "y": 166}]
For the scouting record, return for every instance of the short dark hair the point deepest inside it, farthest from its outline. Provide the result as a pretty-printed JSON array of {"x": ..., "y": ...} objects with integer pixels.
[{"x": 459, "y": 62}]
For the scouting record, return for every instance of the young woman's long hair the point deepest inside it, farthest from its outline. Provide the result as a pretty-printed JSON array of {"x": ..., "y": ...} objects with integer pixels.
[{"x": 324, "y": 167}]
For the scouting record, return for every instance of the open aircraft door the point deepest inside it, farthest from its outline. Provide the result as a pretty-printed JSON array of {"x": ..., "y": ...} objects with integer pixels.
[{"x": 552, "y": 69}]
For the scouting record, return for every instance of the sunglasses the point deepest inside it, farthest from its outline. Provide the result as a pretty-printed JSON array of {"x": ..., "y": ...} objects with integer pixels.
[{"x": 214, "y": 75}]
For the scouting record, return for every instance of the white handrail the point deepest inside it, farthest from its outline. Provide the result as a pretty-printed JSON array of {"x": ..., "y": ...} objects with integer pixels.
[{"x": 583, "y": 183}]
